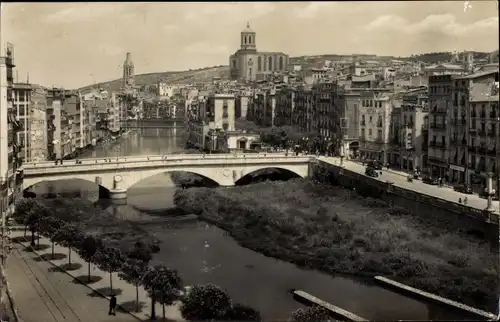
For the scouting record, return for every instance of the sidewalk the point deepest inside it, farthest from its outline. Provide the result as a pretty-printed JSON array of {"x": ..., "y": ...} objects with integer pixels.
[{"x": 43, "y": 293}]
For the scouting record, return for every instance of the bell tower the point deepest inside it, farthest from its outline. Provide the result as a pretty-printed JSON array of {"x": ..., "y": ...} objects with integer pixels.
[
  {"x": 128, "y": 72},
  {"x": 248, "y": 39}
]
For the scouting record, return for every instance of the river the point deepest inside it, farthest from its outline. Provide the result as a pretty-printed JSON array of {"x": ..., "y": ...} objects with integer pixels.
[{"x": 203, "y": 253}]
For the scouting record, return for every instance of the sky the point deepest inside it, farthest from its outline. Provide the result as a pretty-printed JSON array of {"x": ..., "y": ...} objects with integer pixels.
[{"x": 77, "y": 44}]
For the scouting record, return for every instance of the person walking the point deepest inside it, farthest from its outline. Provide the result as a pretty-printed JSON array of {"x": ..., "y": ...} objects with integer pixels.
[{"x": 112, "y": 305}]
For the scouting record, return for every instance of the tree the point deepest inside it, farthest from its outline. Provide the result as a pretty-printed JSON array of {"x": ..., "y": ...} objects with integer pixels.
[
  {"x": 135, "y": 267},
  {"x": 169, "y": 286},
  {"x": 30, "y": 212},
  {"x": 68, "y": 236},
  {"x": 87, "y": 250},
  {"x": 241, "y": 312},
  {"x": 49, "y": 226},
  {"x": 109, "y": 259},
  {"x": 205, "y": 302},
  {"x": 312, "y": 314},
  {"x": 163, "y": 285}
]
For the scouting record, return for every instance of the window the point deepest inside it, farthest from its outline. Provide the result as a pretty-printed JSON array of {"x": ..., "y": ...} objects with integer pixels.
[
  {"x": 225, "y": 126},
  {"x": 259, "y": 63},
  {"x": 379, "y": 134},
  {"x": 270, "y": 63},
  {"x": 369, "y": 132},
  {"x": 281, "y": 63},
  {"x": 363, "y": 136},
  {"x": 371, "y": 119}
]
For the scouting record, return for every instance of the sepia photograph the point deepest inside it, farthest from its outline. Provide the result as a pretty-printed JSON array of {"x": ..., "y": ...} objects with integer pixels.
[{"x": 249, "y": 161}]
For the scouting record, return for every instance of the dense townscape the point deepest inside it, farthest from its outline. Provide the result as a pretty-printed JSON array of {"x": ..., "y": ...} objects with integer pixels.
[{"x": 433, "y": 118}]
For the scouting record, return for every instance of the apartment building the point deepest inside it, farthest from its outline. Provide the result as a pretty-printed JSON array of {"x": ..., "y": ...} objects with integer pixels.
[
  {"x": 11, "y": 176},
  {"x": 440, "y": 102},
  {"x": 114, "y": 114},
  {"x": 484, "y": 136},
  {"x": 303, "y": 110},
  {"x": 21, "y": 98},
  {"x": 409, "y": 132},
  {"x": 329, "y": 114},
  {"x": 285, "y": 105},
  {"x": 36, "y": 144},
  {"x": 374, "y": 123},
  {"x": 59, "y": 128}
]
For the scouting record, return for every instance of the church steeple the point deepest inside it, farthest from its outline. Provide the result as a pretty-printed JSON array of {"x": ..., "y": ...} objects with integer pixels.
[
  {"x": 248, "y": 38},
  {"x": 128, "y": 72}
]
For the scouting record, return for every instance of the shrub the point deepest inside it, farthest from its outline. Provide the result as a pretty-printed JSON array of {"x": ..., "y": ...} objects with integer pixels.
[{"x": 205, "y": 302}]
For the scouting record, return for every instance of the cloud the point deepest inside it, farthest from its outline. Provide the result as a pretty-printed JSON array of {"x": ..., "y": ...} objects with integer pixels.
[
  {"x": 81, "y": 12},
  {"x": 443, "y": 23},
  {"x": 206, "y": 48},
  {"x": 312, "y": 9}
]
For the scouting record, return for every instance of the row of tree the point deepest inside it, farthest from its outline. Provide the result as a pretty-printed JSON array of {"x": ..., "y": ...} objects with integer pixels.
[{"x": 163, "y": 285}]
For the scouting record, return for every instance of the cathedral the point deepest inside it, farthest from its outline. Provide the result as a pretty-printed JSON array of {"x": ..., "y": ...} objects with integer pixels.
[{"x": 249, "y": 64}]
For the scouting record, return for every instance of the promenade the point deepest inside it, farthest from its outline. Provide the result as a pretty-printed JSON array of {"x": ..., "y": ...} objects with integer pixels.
[
  {"x": 400, "y": 180},
  {"x": 44, "y": 293}
]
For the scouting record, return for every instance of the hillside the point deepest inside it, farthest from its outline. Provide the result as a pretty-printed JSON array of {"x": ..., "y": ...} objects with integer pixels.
[{"x": 185, "y": 77}]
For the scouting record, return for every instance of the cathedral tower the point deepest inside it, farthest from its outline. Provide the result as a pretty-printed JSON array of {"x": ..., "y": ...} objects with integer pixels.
[
  {"x": 128, "y": 72},
  {"x": 248, "y": 39}
]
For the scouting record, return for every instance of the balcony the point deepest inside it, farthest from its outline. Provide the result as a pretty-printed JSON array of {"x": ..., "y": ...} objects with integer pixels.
[
  {"x": 474, "y": 130},
  {"x": 473, "y": 114},
  {"x": 492, "y": 152},
  {"x": 363, "y": 123},
  {"x": 482, "y": 133},
  {"x": 493, "y": 115},
  {"x": 492, "y": 133},
  {"x": 439, "y": 111},
  {"x": 438, "y": 126},
  {"x": 439, "y": 145}
]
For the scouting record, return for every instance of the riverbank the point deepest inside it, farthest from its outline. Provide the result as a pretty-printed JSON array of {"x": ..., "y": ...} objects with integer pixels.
[{"x": 337, "y": 231}]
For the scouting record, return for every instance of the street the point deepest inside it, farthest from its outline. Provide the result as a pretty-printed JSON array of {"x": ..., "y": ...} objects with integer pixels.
[
  {"x": 42, "y": 295},
  {"x": 400, "y": 180}
]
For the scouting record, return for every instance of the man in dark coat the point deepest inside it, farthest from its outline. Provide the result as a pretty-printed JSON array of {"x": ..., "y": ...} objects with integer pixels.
[{"x": 112, "y": 305}]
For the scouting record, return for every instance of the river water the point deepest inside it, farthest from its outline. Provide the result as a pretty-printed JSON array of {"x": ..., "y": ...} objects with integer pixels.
[{"x": 206, "y": 254}]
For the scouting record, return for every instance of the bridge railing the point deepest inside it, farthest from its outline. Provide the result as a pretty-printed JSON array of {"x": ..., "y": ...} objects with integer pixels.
[
  {"x": 43, "y": 164},
  {"x": 113, "y": 166}
]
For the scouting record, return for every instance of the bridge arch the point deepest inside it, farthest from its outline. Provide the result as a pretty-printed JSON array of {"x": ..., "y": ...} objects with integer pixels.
[
  {"x": 299, "y": 171},
  {"x": 247, "y": 176},
  {"x": 221, "y": 177},
  {"x": 30, "y": 183},
  {"x": 172, "y": 171}
]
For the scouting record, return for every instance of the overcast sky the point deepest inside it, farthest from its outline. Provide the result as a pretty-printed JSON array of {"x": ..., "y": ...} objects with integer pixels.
[{"x": 73, "y": 44}]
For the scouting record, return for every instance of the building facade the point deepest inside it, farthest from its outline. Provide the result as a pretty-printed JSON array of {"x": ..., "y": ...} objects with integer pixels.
[
  {"x": 247, "y": 63},
  {"x": 10, "y": 158},
  {"x": 440, "y": 102},
  {"x": 374, "y": 124}
]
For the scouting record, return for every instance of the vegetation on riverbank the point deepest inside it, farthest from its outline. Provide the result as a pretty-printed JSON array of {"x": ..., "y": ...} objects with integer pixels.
[{"x": 335, "y": 230}]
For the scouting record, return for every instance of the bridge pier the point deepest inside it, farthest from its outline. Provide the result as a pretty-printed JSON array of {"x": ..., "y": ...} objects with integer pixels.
[{"x": 116, "y": 193}]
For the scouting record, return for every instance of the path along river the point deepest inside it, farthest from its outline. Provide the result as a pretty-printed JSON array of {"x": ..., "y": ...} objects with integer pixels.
[{"x": 206, "y": 254}]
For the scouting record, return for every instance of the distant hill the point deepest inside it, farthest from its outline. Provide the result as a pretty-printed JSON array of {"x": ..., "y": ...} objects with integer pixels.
[
  {"x": 434, "y": 58},
  {"x": 185, "y": 77}
]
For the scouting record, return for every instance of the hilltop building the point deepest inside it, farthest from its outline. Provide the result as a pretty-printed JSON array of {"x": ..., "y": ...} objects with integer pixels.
[{"x": 249, "y": 64}]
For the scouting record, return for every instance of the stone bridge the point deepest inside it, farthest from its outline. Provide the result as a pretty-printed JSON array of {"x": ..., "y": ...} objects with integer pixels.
[{"x": 116, "y": 176}]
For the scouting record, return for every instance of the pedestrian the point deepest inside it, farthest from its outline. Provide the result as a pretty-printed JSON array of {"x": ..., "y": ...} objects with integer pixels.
[
  {"x": 459, "y": 200},
  {"x": 465, "y": 200},
  {"x": 112, "y": 305}
]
